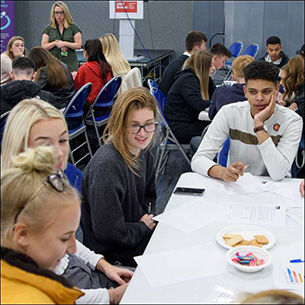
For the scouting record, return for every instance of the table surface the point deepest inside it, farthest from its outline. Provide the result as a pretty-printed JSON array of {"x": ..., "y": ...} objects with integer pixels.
[{"x": 166, "y": 238}]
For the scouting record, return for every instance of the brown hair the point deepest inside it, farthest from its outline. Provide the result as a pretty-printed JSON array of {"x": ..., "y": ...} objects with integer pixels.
[
  {"x": 8, "y": 51},
  {"x": 294, "y": 79},
  {"x": 194, "y": 38},
  {"x": 57, "y": 77},
  {"x": 239, "y": 63},
  {"x": 68, "y": 20},
  {"x": 200, "y": 62},
  {"x": 125, "y": 105}
]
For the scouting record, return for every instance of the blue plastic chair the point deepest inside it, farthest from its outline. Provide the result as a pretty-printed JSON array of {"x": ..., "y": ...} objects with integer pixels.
[
  {"x": 74, "y": 115},
  {"x": 165, "y": 138},
  {"x": 103, "y": 101},
  {"x": 74, "y": 176},
  {"x": 222, "y": 157},
  {"x": 152, "y": 84},
  {"x": 251, "y": 50},
  {"x": 235, "y": 49}
]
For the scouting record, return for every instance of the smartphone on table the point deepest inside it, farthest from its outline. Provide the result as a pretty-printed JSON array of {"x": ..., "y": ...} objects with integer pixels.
[{"x": 189, "y": 191}]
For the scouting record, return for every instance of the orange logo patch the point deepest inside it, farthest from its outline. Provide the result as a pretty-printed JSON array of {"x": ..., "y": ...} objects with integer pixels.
[{"x": 276, "y": 127}]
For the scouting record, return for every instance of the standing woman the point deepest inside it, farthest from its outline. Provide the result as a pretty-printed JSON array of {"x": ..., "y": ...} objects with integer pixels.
[
  {"x": 61, "y": 37},
  {"x": 15, "y": 49},
  {"x": 118, "y": 186},
  {"x": 96, "y": 70},
  {"x": 188, "y": 96},
  {"x": 53, "y": 75}
]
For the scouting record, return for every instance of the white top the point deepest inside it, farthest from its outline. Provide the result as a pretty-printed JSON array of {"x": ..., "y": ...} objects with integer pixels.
[
  {"x": 267, "y": 159},
  {"x": 92, "y": 296},
  {"x": 6, "y": 67}
]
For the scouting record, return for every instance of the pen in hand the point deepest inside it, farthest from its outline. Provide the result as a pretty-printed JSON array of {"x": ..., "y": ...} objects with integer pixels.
[{"x": 149, "y": 208}]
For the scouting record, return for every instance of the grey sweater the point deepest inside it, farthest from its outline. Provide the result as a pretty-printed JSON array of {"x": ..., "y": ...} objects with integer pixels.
[{"x": 113, "y": 201}]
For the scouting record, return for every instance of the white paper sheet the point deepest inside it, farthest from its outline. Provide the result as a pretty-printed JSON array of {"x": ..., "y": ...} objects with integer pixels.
[
  {"x": 244, "y": 185},
  {"x": 192, "y": 216},
  {"x": 297, "y": 214},
  {"x": 181, "y": 265},
  {"x": 260, "y": 214}
]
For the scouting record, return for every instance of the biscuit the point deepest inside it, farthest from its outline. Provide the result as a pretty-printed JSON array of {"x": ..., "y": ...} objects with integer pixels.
[
  {"x": 253, "y": 242},
  {"x": 229, "y": 235},
  {"x": 234, "y": 240},
  {"x": 244, "y": 242},
  {"x": 261, "y": 239}
]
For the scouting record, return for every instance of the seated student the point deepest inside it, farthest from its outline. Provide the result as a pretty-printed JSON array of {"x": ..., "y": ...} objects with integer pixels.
[
  {"x": 15, "y": 49},
  {"x": 40, "y": 213},
  {"x": 96, "y": 70},
  {"x": 118, "y": 186},
  {"x": 22, "y": 86},
  {"x": 263, "y": 135},
  {"x": 188, "y": 96},
  {"x": 274, "y": 53},
  {"x": 53, "y": 75},
  {"x": 301, "y": 52},
  {"x": 227, "y": 94},
  {"x": 120, "y": 66},
  {"x": 194, "y": 41},
  {"x": 32, "y": 123}
]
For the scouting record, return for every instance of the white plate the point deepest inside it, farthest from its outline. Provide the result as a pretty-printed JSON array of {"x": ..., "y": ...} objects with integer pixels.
[{"x": 247, "y": 232}]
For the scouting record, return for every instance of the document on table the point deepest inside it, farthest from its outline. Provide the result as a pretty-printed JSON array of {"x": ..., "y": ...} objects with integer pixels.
[
  {"x": 260, "y": 214},
  {"x": 181, "y": 265},
  {"x": 244, "y": 185},
  {"x": 193, "y": 216},
  {"x": 297, "y": 214}
]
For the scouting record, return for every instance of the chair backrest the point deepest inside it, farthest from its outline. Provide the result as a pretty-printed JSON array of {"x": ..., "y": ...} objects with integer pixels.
[
  {"x": 74, "y": 176},
  {"x": 152, "y": 84},
  {"x": 159, "y": 96},
  {"x": 251, "y": 50},
  {"x": 236, "y": 48},
  {"x": 132, "y": 79},
  {"x": 223, "y": 154},
  {"x": 77, "y": 102},
  {"x": 105, "y": 97}
]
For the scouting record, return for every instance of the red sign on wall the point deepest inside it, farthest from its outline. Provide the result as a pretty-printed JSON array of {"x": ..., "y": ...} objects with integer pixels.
[{"x": 125, "y": 6}]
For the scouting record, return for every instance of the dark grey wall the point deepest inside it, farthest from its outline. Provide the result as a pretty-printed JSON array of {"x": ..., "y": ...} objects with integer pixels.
[
  {"x": 255, "y": 21},
  {"x": 164, "y": 26}
]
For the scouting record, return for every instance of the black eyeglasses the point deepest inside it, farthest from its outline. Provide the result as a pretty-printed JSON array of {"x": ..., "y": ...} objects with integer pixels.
[
  {"x": 55, "y": 180},
  {"x": 59, "y": 13},
  {"x": 149, "y": 127}
]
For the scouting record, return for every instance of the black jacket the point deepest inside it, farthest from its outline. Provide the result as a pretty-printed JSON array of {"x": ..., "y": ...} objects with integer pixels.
[
  {"x": 184, "y": 101},
  {"x": 284, "y": 61},
  {"x": 15, "y": 91},
  {"x": 63, "y": 95}
]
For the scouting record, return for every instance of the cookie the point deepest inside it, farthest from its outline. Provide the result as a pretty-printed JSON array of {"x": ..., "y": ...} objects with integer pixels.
[
  {"x": 229, "y": 235},
  {"x": 261, "y": 239},
  {"x": 244, "y": 242},
  {"x": 234, "y": 240},
  {"x": 253, "y": 242}
]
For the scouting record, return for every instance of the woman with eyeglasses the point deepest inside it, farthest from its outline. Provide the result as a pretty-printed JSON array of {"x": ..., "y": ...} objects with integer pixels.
[
  {"x": 62, "y": 37},
  {"x": 40, "y": 213},
  {"x": 33, "y": 123},
  {"x": 118, "y": 186}
]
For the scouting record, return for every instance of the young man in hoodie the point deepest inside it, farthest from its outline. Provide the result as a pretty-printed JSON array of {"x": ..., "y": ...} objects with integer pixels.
[
  {"x": 274, "y": 53},
  {"x": 22, "y": 86}
]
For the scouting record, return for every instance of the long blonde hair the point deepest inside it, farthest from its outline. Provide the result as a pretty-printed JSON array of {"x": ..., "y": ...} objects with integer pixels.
[
  {"x": 114, "y": 55},
  {"x": 68, "y": 20},
  {"x": 200, "y": 62},
  {"x": 8, "y": 51},
  {"x": 19, "y": 123},
  {"x": 24, "y": 196},
  {"x": 294, "y": 79},
  {"x": 116, "y": 129}
]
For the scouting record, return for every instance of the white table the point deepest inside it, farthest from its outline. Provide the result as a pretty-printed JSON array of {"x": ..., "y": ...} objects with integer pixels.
[{"x": 166, "y": 238}]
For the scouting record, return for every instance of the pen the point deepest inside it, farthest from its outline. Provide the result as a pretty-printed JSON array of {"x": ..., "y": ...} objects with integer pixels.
[
  {"x": 149, "y": 208},
  {"x": 299, "y": 260}
]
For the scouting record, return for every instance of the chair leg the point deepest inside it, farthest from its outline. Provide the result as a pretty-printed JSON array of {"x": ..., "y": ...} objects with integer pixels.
[
  {"x": 71, "y": 157},
  {"x": 88, "y": 143}
]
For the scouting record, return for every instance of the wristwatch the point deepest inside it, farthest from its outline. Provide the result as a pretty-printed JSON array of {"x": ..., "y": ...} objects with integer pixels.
[{"x": 262, "y": 127}]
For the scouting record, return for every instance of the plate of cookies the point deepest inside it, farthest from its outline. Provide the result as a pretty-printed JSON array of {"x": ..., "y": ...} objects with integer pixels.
[{"x": 245, "y": 235}]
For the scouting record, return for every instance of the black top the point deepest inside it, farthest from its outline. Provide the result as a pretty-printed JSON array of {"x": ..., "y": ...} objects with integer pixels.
[
  {"x": 15, "y": 91},
  {"x": 284, "y": 61},
  {"x": 184, "y": 100},
  {"x": 224, "y": 95},
  {"x": 168, "y": 77}
]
